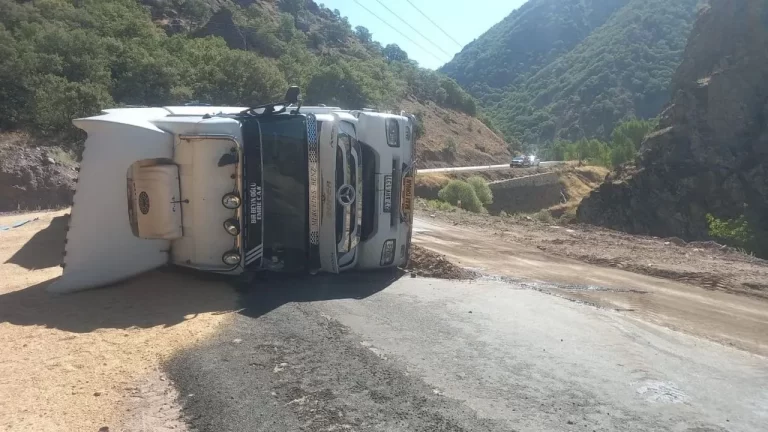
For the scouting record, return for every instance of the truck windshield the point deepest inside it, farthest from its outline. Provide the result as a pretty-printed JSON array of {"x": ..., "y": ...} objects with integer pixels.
[{"x": 286, "y": 192}]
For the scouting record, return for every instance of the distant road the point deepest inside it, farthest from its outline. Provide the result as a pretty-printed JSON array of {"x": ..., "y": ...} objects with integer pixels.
[{"x": 479, "y": 168}]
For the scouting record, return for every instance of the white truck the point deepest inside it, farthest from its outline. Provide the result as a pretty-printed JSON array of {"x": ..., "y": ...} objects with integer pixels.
[{"x": 279, "y": 187}]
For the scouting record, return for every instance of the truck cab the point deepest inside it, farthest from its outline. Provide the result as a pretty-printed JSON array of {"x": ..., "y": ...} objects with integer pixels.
[{"x": 230, "y": 190}]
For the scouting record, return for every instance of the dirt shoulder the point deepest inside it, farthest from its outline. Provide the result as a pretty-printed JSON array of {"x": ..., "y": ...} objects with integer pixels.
[
  {"x": 702, "y": 264},
  {"x": 83, "y": 361}
]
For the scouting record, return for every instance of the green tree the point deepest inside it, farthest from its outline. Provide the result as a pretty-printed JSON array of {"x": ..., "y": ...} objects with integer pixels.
[
  {"x": 461, "y": 194},
  {"x": 482, "y": 190},
  {"x": 293, "y": 7},
  {"x": 393, "y": 52},
  {"x": 363, "y": 34}
]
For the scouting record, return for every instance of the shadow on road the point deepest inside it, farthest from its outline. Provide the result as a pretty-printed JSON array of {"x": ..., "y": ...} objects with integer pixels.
[
  {"x": 271, "y": 291},
  {"x": 169, "y": 297},
  {"x": 45, "y": 248},
  {"x": 164, "y": 297}
]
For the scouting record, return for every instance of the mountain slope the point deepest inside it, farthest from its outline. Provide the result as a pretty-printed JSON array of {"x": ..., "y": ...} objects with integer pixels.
[
  {"x": 621, "y": 69},
  {"x": 704, "y": 173},
  {"x": 529, "y": 38}
]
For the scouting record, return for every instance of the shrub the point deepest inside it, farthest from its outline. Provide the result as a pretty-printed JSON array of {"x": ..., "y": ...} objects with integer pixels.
[
  {"x": 544, "y": 216},
  {"x": 451, "y": 145},
  {"x": 419, "y": 129},
  {"x": 569, "y": 216},
  {"x": 440, "y": 206},
  {"x": 503, "y": 214},
  {"x": 458, "y": 190},
  {"x": 482, "y": 190},
  {"x": 732, "y": 232}
]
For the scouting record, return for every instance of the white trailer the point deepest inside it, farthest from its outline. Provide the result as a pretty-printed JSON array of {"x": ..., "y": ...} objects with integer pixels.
[{"x": 230, "y": 190}]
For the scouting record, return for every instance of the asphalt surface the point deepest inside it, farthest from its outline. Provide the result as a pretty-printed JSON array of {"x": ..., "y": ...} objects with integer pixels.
[{"x": 374, "y": 352}]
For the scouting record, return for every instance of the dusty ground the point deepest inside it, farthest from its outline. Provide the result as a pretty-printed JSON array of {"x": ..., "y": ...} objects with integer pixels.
[
  {"x": 703, "y": 264},
  {"x": 84, "y": 361}
]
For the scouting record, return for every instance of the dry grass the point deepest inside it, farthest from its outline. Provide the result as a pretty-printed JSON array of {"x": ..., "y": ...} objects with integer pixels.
[
  {"x": 577, "y": 183},
  {"x": 62, "y": 156},
  {"x": 432, "y": 180},
  {"x": 475, "y": 143},
  {"x": 73, "y": 363}
]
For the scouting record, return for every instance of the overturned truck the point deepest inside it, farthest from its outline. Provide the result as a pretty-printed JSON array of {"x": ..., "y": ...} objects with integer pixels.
[{"x": 279, "y": 187}]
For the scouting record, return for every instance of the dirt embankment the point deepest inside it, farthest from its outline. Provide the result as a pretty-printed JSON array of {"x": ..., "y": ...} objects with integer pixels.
[
  {"x": 452, "y": 138},
  {"x": 34, "y": 177}
]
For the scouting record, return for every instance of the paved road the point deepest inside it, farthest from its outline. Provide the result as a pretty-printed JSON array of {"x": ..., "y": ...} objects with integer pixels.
[
  {"x": 735, "y": 320},
  {"x": 376, "y": 353},
  {"x": 480, "y": 168}
]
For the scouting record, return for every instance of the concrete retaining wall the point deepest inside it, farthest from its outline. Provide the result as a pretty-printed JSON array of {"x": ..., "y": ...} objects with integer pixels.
[{"x": 526, "y": 194}]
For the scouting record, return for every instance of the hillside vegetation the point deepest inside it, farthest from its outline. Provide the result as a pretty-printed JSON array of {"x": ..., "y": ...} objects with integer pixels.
[
  {"x": 573, "y": 69},
  {"x": 703, "y": 173},
  {"x": 62, "y": 59}
]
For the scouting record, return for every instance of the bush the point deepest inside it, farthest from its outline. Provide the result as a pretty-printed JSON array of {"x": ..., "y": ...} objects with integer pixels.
[
  {"x": 419, "y": 129},
  {"x": 458, "y": 190},
  {"x": 440, "y": 206},
  {"x": 544, "y": 216},
  {"x": 482, "y": 190},
  {"x": 732, "y": 232},
  {"x": 451, "y": 145}
]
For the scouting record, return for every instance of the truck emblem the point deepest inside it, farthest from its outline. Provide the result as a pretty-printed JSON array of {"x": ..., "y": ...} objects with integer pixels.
[
  {"x": 144, "y": 203},
  {"x": 346, "y": 195}
]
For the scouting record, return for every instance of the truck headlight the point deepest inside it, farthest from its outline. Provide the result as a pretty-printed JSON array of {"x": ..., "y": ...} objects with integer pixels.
[
  {"x": 388, "y": 253},
  {"x": 231, "y": 258},
  {"x": 231, "y": 201},
  {"x": 393, "y": 132},
  {"x": 232, "y": 226}
]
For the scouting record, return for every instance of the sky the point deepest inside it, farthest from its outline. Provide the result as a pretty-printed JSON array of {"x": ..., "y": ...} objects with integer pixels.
[{"x": 462, "y": 20}]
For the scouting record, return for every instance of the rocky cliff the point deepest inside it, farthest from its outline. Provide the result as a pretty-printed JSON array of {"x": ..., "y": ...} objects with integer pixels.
[{"x": 710, "y": 152}]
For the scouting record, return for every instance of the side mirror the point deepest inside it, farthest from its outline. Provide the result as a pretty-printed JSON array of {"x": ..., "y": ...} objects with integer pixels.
[{"x": 293, "y": 95}]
